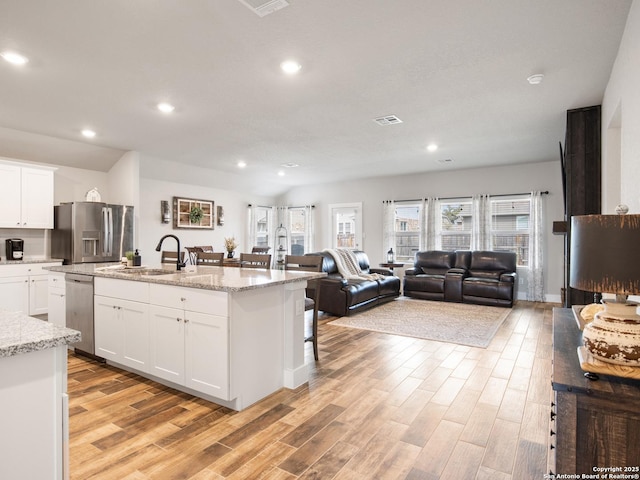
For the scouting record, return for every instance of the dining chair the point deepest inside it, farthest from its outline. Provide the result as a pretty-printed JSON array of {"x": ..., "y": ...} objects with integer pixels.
[
  {"x": 257, "y": 249},
  {"x": 210, "y": 259},
  {"x": 205, "y": 248},
  {"x": 255, "y": 260},
  {"x": 171, "y": 257},
  {"x": 309, "y": 263}
]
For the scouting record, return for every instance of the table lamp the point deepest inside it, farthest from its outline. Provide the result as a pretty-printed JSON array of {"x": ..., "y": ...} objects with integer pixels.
[{"x": 605, "y": 258}]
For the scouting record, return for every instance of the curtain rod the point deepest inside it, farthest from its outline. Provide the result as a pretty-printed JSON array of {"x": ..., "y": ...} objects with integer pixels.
[
  {"x": 546, "y": 192},
  {"x": 300, "y": 206}
]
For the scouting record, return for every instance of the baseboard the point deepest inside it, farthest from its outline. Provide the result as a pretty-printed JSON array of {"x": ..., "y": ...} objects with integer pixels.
[{"x": 293, "y": 378}]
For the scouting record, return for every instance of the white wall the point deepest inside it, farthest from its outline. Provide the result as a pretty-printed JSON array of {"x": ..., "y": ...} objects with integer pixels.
[
  {"x": 621, "y": 111},
  {"x": 163, "y": 180},
  {"x": 493, "y": 181}
]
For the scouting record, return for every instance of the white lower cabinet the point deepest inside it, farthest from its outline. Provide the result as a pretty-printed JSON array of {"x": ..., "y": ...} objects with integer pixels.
[
  {"x": 190, "y": 349},
  {"x": 122, "y": 331},
  {"x": 25, "y": 288},
  {"x": 57, "y": 299},
  {"x": 14, "y": 294}
]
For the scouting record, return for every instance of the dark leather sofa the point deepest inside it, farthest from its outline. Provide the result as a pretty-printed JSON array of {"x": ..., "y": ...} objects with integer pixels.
[
  {"x": 481, "y": 277},
  {"x": 341, "y": 296}
]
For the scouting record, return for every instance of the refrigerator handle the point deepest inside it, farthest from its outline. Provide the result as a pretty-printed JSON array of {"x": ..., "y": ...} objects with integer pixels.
[{"x": 109, "y": 231}]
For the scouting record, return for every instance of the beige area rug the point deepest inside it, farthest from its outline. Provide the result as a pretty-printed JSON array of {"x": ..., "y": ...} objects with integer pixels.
[{"x": 464, "y": 324}]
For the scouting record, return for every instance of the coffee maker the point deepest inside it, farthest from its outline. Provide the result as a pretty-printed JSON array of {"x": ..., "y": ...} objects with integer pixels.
[{"x": 15, "y": 248}]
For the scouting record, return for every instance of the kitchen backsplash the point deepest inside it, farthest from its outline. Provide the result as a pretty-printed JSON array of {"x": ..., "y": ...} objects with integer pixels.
[{"x": 36, "y": 241}]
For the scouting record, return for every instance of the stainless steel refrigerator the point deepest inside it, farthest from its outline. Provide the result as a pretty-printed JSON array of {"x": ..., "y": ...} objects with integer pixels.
[{"x": 91, "y": 232}]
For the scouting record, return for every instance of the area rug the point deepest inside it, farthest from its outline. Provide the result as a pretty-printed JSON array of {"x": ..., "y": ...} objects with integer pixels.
[{"x": 464, "y": 324}]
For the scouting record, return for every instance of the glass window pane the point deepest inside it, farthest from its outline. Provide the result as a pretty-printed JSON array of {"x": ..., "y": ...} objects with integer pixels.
[
  {"x": 407, "y": 228},
  {"x": 455, "y": 225},
  {"x": 510, "y": 227}
]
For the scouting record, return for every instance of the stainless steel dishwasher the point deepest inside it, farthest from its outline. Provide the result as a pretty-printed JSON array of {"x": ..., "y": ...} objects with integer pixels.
[{"x": 79, "y": 309}]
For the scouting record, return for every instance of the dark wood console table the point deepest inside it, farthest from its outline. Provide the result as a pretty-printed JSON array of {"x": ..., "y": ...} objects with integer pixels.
[{"x": 593, "y": 423}]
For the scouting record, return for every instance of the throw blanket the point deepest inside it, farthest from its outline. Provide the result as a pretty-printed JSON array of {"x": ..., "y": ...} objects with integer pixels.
[{"x": 348, "y": 265}]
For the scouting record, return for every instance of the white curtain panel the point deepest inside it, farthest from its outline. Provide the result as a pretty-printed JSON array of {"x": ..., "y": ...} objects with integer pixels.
[
  {"x": 309, "y": 229},
  {"x": 388, "y": 226},
  {"x": 481, "y": 223},
  {"x": 430, "y": 223},
  {"x": 536, "y": 277},
  {"x": 251, "y": 227}
]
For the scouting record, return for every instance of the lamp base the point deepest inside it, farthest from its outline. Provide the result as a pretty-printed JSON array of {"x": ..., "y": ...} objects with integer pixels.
[{"x": 614, "y": 334}]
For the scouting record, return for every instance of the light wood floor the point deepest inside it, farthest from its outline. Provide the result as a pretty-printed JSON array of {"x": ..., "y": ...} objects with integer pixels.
[{"x": 377, "y": 407}]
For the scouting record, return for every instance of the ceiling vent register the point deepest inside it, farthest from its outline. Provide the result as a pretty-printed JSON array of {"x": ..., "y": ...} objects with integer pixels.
[
  {"x": 387, "y": 120},
  {"x": 264, "y": 7}
]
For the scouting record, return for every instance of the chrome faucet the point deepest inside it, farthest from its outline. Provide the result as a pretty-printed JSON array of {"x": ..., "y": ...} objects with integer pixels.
[{"x": 179, "y": 264}]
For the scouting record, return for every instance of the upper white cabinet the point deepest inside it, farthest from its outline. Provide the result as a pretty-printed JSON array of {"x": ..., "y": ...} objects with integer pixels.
[{"x": 26, "y": 196}]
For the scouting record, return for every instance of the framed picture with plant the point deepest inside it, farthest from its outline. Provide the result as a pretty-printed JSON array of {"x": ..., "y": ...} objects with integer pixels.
[{"x": 193, "y": 213}]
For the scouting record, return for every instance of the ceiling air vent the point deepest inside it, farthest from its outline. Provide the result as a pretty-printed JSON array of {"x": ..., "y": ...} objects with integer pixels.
[
  {"x": 264, "y": 7},
  {"x": 387, "y": 120},
  {"x": 445, "y": 160}
]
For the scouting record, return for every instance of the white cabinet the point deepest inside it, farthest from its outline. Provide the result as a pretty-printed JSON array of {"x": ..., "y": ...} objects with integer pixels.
[
  {"x": 26, "y": 197},
  {"x": 121, "y": 322},
  {"x": 24, "y": 287},
  {"x": 14, "y": 293},
  {"x": 167, "y": 343},
  {"x": 121, "y": 330},
  {"x": 57, "y": 299}
]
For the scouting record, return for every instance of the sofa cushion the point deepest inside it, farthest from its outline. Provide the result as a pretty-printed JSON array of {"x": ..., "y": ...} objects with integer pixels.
[
  {"x": 491, "y": 265},
  {"x": 434, "y": 262}
]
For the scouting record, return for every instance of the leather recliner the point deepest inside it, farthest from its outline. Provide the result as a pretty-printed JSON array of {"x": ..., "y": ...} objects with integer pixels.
[
  {"x": 481, "y": 277},
  {"x": 340, "y": 296}
]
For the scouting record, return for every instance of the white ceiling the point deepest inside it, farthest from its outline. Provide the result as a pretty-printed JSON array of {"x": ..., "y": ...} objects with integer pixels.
[{"x": 453, "y": 70}]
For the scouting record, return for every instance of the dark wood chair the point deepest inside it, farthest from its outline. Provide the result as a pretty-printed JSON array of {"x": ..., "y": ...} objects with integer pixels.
[
  {"x": 170, "y": 257},
  {"x": 257, "y": 249},
  {"x": 255, "y": 260},
  {"x": 210, "y": 259},
  {"x": 308, "y": 263},
  {"x": 205, "y": 248}
]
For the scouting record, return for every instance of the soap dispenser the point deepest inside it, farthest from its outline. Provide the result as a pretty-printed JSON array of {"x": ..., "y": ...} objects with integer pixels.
[{"x": 137, "y": 259}]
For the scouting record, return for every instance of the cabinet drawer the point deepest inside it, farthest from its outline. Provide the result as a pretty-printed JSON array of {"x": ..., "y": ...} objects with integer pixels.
[
  {"x": 124, "y": 289},
  {"x": 190, "y": 299},
  {"x": 16, "y": 270},
  {"x": 56, "y": 280}
]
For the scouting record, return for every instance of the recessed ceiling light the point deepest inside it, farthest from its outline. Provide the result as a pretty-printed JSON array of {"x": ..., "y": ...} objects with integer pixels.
[
  {"x": 87, "y": 132},
  {"x": 432, "y": 147},
  {"x": 241, "y": 164},
  {"x": 166, "y": 107},
  {"x": 289, "y": 165},
  {"x": 14, "y": 58},
  {"x": 280, "y": 173},
  {"x": 290, "y": 67},
  {"x": 535, "y": 79}
]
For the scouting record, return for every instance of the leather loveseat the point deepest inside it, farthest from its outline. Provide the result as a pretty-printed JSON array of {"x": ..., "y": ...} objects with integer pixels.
[
  {"x": 340, "y": 296},
  {"x": 482, "y": 277}
]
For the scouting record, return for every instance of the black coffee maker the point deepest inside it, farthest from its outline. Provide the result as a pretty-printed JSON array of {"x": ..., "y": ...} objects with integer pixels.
[{"x": 15, "y": 248}]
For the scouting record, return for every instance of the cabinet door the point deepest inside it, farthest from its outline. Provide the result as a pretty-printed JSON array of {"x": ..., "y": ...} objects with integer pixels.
[
  {"x": 167, "y": 343},
  {"x": 38, "y": 295},
  {"x": 207, "y": 354},
  {"x": 9, "y": 196},
  {"x": 37, "y": 198},
  {"x": 108, "y": 328},
  {"x": 14, "y": 294},
  {"x": 135, "y": 322},
  {"x": 57, "y": 307}
]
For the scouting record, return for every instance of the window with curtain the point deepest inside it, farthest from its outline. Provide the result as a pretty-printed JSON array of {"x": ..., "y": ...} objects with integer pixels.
[
  {"x": 263, "y": 226},
  {"x": 297, "y": 231},
  {"x": 510, "y": 227},
  {"x": 455, "y": 225},
  {"x": 407, "y": 227}
]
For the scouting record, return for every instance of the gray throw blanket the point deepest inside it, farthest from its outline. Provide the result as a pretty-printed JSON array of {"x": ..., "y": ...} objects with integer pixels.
[{"x": 348, "y": 265}]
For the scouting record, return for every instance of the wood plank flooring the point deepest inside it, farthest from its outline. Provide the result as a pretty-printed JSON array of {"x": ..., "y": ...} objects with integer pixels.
[{"x": 376, "y": 407}]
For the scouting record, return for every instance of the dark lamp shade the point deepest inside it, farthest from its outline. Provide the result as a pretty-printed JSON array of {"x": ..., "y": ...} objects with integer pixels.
[{"x": 605, "y": 254}]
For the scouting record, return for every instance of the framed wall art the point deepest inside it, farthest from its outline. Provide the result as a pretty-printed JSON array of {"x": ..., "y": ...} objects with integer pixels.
[{"x": 193, "y": 213}]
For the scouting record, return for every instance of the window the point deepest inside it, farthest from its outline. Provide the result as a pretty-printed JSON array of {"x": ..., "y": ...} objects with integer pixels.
[
  {"x": 455, "y": 225},
  {"x": 297, "y": 226},
  {"x": 510, "y": 227},
  {"x": 407, "y": 230},
  {"x": 263, "y": 226}
]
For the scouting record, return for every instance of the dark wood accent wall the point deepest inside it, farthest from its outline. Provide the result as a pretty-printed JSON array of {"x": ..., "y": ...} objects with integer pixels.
[{"x": 583, "y": 179}]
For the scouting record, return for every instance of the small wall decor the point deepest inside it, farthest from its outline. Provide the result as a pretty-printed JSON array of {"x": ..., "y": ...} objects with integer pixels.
[
  {"x": 165, "y": 212},
  {"x": 220, "y": 213},
  {"x": 193, "y": 213}
]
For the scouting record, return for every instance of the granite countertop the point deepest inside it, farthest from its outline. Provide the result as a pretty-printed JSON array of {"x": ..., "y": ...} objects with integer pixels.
[
  {"x": 226, "y": 279},
  {"x": 27, "y": 259},
  {"x": 20, "y": 333}
]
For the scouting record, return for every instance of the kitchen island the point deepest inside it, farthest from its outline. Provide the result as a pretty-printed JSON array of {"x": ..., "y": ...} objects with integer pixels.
[
  {"x": 33, "y": 398},
  {"x": 230, "y": 335}
]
